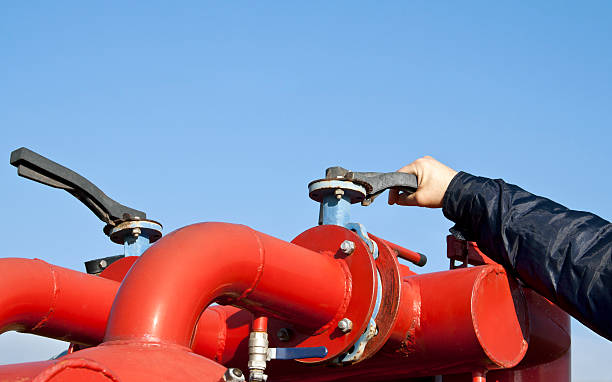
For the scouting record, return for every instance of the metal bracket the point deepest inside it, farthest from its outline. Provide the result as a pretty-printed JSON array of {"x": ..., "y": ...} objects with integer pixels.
[{"x": 360, "y": 230}]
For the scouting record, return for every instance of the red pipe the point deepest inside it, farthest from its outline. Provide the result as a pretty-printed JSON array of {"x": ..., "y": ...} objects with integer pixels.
[
  {"x": 404, "y": 253},
  {"x": 22, "y": 372},
  {"x": 51, "y": 301},
  {"x": 206, "y": 262},
  {"x": 478, "y": 310}
]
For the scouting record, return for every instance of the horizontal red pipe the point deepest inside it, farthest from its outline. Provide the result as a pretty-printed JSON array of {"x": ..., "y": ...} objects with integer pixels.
[
  {"x": 168, "y": 288},
  {"x": 133, "y": 362},
  {"x": 405, "y": 253},
  {"x": 478, "y": 310},
  {"x": 23, "y": 372},
  {"x": 463, "y": 320},
  {"x": 52, "y": 301}
]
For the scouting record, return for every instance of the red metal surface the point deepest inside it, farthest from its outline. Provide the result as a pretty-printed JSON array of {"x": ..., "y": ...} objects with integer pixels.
[
  {"x": 401, "y": 252},
  {"x": 558, "y": 370},
  {"x": 389, "y": 271},
  {"x": 118, "y": 269},
  {"x": 52, "y": 301},
  {"x": 222, "y": 335},
  {"x": 206, "y": 262},
  {"x": 23, "y": 372},
  {"x": 361, "y": 282},
  {"x": 260, "y": 324},
  {"x": 443, "y": 327},
  {"x": 133, "y": 362},
  {"x": 466, "y": 320},
  {"x": 467, "y": 252}
]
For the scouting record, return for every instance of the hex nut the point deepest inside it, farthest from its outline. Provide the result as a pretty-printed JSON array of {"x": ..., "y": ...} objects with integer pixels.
[
  {"x": 345, "y": 325},
  {"x": 339, "y": 192},
  {"x": 237, "y": 372},
  {"x": 233, "y": 375},
  {"x": 284, "y": 334},
  {"x": 347, "y": 247}
]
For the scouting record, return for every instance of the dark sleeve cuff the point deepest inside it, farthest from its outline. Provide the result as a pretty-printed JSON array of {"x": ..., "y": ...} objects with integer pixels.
[{"x": 454, "y": 195}]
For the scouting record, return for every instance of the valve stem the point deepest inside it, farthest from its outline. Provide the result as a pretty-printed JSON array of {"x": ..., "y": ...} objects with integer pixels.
[{"x": 258, "y": 350}]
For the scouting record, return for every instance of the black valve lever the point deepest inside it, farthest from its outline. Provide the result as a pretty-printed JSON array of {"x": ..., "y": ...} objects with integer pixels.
[
  {"x": 375, "y": 182},
  {"x": 40, "y": 169}
]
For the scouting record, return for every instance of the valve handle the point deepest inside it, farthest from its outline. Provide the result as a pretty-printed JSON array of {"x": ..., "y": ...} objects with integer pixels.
[
  {"x": 297, "y": 353},
  {"x": 375, "y": 182},
  {"x": 36, "y": 167}
]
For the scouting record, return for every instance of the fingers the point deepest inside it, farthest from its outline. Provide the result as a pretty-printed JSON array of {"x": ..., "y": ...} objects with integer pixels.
[
  {"x": 393, "y": 194},
  {"x": 407, "y": 199},
  {"x": 403, "y": 199}
]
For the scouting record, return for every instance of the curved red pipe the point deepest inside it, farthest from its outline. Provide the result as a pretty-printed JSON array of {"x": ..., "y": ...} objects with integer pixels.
[
  {"x": 168, "y": 288},
  {"x": 52, "y": 301}
]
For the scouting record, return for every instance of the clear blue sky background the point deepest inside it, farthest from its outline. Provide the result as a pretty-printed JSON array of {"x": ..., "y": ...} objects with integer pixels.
[{"x": 200, "y": 111}]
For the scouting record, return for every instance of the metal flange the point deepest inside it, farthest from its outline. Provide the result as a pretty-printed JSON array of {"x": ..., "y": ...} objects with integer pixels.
[
  {"x": 147, "y": 228},
  {"x": 388, "y": 269},
  {"x": 318, "y": 189},
  {"x": 361, "y": 281}
]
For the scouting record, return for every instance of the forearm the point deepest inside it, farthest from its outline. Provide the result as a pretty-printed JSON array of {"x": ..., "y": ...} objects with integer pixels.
[{"x": 564, "y": 255}]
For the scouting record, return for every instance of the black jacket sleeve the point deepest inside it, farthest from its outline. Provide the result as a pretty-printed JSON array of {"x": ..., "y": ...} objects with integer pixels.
[{"x": 562, "y": 254}]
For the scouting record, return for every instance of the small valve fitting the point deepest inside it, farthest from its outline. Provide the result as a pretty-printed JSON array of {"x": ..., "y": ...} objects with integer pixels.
[{"x": 258, "y": 356}]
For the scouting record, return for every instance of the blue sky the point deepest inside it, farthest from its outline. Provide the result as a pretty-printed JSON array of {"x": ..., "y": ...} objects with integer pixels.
[{"x": 224, "y": 111}]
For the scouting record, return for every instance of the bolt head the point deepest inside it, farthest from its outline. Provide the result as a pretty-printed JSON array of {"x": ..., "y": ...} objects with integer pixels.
[
  {"x": 237, "y": 372},
  {"x": 339, "y": 192},
  {"x": 347, "y": 247},
  {"x": 345, "y": 325},
  {"x": 283, "y": 334}
]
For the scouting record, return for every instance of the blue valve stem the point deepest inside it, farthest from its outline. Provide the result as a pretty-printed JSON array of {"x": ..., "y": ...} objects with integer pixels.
[{"x": 335, "y": 211}]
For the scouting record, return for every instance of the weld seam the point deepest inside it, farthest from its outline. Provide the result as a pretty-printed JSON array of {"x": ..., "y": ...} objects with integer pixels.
[{"x": 54, "y": 298}]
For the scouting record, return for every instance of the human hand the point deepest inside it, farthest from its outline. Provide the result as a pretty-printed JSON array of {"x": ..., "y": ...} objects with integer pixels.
[{"x": 433, "y": 179}]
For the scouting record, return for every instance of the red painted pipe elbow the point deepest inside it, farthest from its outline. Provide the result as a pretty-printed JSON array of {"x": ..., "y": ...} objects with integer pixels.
[{"x": 172, "y": 283}]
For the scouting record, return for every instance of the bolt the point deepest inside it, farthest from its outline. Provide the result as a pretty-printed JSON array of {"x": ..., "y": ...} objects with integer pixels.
[
  {"x": 347, "y": 247},
  {"x": 136, "y": 232},
  {"x": 233, "y": 375},
  {"x": 237, "y": 372},
  {"x": 103, "y": 263},
  {"x": 339, "y": 192},
  {"x": 345, "y": 325},
  {"x": 283, "y": 334}
]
